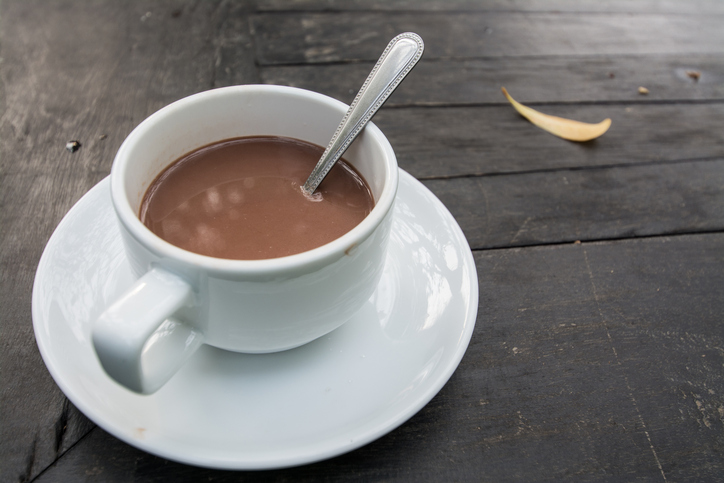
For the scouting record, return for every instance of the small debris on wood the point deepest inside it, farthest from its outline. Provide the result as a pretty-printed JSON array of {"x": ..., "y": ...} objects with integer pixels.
[
  {"x": 176, "y": 13},
  {"x": 643, "y": 91},
  {"x": 611, "y": 75},
  {"x": 694, "y": 74},
  {"x": 102, "y": 136},
  {"x": 73, "y": 146},
  {"x": 146, "y": 16},
  {"x": 577, "y": 242}
]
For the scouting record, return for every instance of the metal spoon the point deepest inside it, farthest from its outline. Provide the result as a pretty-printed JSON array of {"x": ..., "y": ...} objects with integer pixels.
[{"x": 398, "y": 59}]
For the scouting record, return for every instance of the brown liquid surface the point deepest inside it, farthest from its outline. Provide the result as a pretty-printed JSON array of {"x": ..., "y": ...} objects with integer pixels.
[{"x": 242, "y": 199}]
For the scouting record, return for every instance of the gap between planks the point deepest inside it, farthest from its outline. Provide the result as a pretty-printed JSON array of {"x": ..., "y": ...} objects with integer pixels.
[
  {"x": 570, "y": 168},
  {"x": 591, "y": 241}
]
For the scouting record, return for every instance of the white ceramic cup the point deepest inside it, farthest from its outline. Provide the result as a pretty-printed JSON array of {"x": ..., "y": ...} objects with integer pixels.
[{"x": 182, "y": 299}]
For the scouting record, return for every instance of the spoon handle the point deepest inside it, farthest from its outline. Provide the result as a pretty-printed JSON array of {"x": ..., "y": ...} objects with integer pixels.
[{"x": 398, "y": 59}]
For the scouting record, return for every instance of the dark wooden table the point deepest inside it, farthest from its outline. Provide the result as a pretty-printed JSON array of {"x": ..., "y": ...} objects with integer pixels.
[{"x": 598, "y": 352}]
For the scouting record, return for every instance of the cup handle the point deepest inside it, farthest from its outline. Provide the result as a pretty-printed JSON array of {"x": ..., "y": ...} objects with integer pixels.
[{"x": 138, "y": 341}]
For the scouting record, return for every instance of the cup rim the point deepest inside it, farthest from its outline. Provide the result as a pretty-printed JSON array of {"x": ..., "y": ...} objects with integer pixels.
[{"x": 221, "y": 266}]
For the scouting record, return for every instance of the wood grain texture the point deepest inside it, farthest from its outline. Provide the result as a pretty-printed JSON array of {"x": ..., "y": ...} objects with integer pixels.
[
  {"x": 645, "y": 301},
  {"x": 294, "y": 38},
  {"x": 664, "y": 316},
  {"x": 552, "y": 386},
  {"x": 570, "y": 205},
  {"x": 544, "y": 79},
  {"x": 460, "y": 141},
  {"x": 580, "y": 6},
  {"x": 91, "y": 72}
]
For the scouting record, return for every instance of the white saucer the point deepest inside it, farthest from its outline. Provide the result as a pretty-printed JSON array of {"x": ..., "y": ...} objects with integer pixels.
[{"x": 239, "y": 411}]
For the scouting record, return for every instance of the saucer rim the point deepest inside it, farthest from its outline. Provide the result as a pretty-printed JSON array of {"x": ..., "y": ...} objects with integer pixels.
[{"x": 299, "y": 457}]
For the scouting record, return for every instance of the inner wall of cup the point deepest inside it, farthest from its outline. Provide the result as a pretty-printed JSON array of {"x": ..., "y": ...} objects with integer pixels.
[{"x": 227, "y": 113}]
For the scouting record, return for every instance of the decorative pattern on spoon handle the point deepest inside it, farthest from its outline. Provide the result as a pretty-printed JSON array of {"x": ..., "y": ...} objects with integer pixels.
[{"x": 398, "y": 59}]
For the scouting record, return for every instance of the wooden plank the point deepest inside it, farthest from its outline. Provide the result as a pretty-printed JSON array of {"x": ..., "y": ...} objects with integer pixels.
[
  {"x": 649, "y": 292},
  {"x": 550, "y": 386},
  {"x": 662, "y": 308},
  {"x": 592, "y": 204},
  {"x": 566, "y": 79},
  {"x": 91, "y": 72},
  {"x": 302, "y": 38},
  {"x": 623, "y": 6},
  {"x": 461, "y": 141}
]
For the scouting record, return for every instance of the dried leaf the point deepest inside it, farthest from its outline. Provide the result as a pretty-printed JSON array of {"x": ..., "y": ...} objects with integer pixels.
[
  {"x": 563, "y": 128},
  {"x": 694, "y": 74}
]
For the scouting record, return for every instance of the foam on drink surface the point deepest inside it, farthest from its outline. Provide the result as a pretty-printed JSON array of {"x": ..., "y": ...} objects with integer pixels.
[{"x": 242, "y": 199}]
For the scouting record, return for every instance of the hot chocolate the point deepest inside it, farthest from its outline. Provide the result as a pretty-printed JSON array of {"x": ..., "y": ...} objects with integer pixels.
[{"x": 242, "y": 199}]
